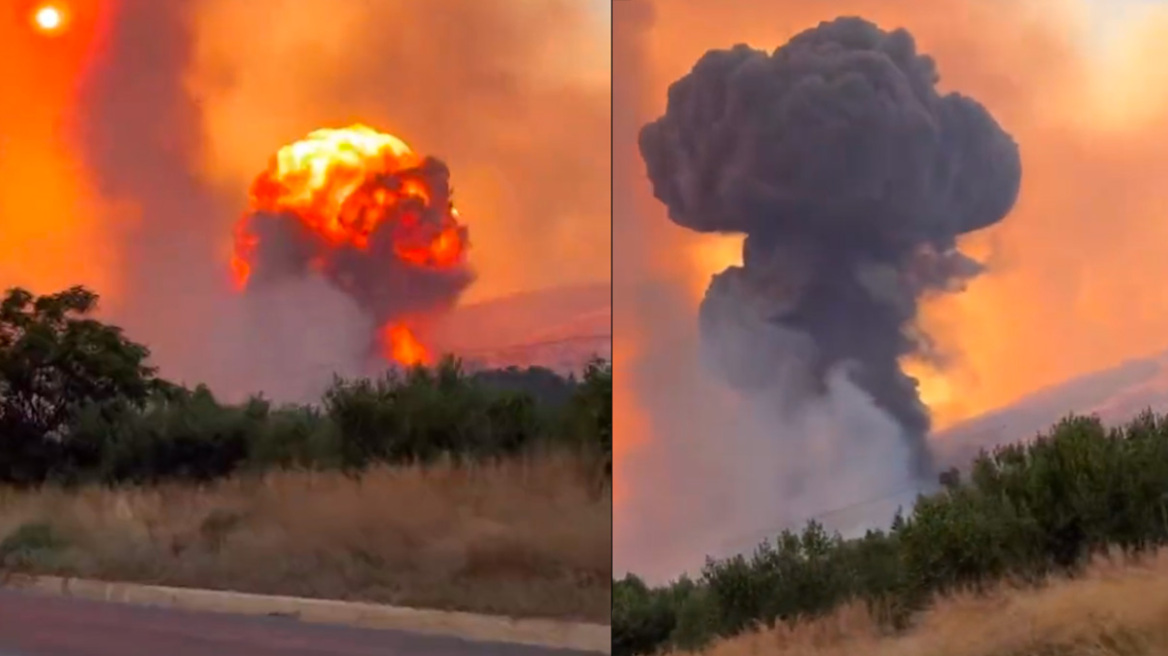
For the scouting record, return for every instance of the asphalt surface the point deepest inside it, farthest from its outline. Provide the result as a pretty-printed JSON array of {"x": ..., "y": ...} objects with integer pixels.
[{"x": 49, "y": 626}]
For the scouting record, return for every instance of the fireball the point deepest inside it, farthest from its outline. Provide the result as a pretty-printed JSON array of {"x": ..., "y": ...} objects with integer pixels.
[{"x": 366, "y": 211}]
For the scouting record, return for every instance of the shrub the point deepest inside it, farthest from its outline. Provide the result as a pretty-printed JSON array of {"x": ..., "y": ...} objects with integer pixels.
[{"x": 29, "y": 544}]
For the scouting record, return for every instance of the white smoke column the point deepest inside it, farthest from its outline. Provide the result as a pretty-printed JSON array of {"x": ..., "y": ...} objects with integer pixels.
[
  {"x": 831, "y": 455},
  {"x": 288, "y": 340}
]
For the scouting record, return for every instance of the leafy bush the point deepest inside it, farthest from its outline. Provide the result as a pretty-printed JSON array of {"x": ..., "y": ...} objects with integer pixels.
[{"x": 427, "y": 414}]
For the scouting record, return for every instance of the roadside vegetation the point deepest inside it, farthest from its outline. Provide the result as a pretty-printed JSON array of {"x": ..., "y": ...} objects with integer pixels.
[{"x": 486, "y": 491}]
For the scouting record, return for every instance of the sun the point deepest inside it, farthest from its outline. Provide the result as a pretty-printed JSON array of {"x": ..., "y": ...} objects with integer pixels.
[{"x": 49, "y": 18}]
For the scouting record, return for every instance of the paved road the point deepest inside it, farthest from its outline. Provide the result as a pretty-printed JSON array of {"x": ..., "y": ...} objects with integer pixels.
[{"x": 47, "y": 626}]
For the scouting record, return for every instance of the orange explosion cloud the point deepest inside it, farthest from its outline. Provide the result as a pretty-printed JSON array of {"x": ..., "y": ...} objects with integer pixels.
[{"x": 344, "y": 185}]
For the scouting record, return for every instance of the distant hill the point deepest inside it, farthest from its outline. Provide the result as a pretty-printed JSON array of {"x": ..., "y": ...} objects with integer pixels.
[
  {"x": 559, "y": 328},
  {"x": 1114, "y": 394}
]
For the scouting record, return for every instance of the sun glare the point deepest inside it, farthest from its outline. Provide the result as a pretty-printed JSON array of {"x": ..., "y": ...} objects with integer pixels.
[{"x": 48, "y": 18}]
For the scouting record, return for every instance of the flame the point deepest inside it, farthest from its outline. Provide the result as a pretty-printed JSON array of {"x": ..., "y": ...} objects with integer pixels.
[
  {"x": 245, "y": 245},
  {"x": 402, "y": 346}
]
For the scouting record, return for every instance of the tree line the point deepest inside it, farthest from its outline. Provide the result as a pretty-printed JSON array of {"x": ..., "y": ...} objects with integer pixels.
[
  {"x": 1021, "y": 513},
  {"x": 80, "y": 404}
]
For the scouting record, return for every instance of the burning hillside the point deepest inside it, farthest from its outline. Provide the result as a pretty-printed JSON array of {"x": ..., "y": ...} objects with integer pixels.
[{"x": 371, "y": 216}]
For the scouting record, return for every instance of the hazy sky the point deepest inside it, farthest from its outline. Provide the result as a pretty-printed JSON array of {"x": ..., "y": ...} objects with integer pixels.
[{"x": 1108, "y": 16}]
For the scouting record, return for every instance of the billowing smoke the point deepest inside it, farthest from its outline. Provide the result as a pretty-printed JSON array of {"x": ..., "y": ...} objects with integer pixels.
[{"x": 851, "y": 177}]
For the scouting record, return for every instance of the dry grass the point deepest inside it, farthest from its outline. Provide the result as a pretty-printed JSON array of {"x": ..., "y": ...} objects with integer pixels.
[
  {"x": 524, "y": 539},
  {"x": 1119, "y": 609}
]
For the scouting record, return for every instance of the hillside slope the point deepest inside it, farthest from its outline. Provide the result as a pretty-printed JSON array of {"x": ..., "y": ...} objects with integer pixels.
[
  {"x": 1115, "y": 395},
  {"x": 560, "y": 328}
]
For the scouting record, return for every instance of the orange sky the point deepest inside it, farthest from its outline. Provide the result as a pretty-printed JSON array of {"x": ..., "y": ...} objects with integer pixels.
[
  {"x": 1075, "y": 269},
  {"x": 49, "y": 216}
]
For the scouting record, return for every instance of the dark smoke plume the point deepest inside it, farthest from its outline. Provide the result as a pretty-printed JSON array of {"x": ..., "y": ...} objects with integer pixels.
[{"x": 851, "y": 177}]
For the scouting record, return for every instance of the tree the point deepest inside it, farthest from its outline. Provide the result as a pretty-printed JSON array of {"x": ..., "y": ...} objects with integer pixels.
[
  {"x": 594, "y": 405},
  {"x": 55, "y": 359},
  {"x": 642, "y": 618}
]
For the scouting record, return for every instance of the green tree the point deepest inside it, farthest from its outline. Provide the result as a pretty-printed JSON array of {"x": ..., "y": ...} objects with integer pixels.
[
  {"x": 592, "y": 408},
  {"x": 55, "y": 359}
]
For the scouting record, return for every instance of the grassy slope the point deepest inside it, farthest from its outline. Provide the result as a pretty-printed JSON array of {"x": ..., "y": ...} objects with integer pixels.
[
  {"x": 1116, "y": 610},
  {"x": 524, "y": 539}
]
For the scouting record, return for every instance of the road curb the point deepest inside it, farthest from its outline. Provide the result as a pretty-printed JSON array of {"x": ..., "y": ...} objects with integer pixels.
[{"x": 552, "y": 634}]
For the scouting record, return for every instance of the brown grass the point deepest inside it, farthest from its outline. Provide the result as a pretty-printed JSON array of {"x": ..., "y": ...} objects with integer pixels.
[
  {"x": 521, "y": 538},
  {"x": 1119, "y": 609}
]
